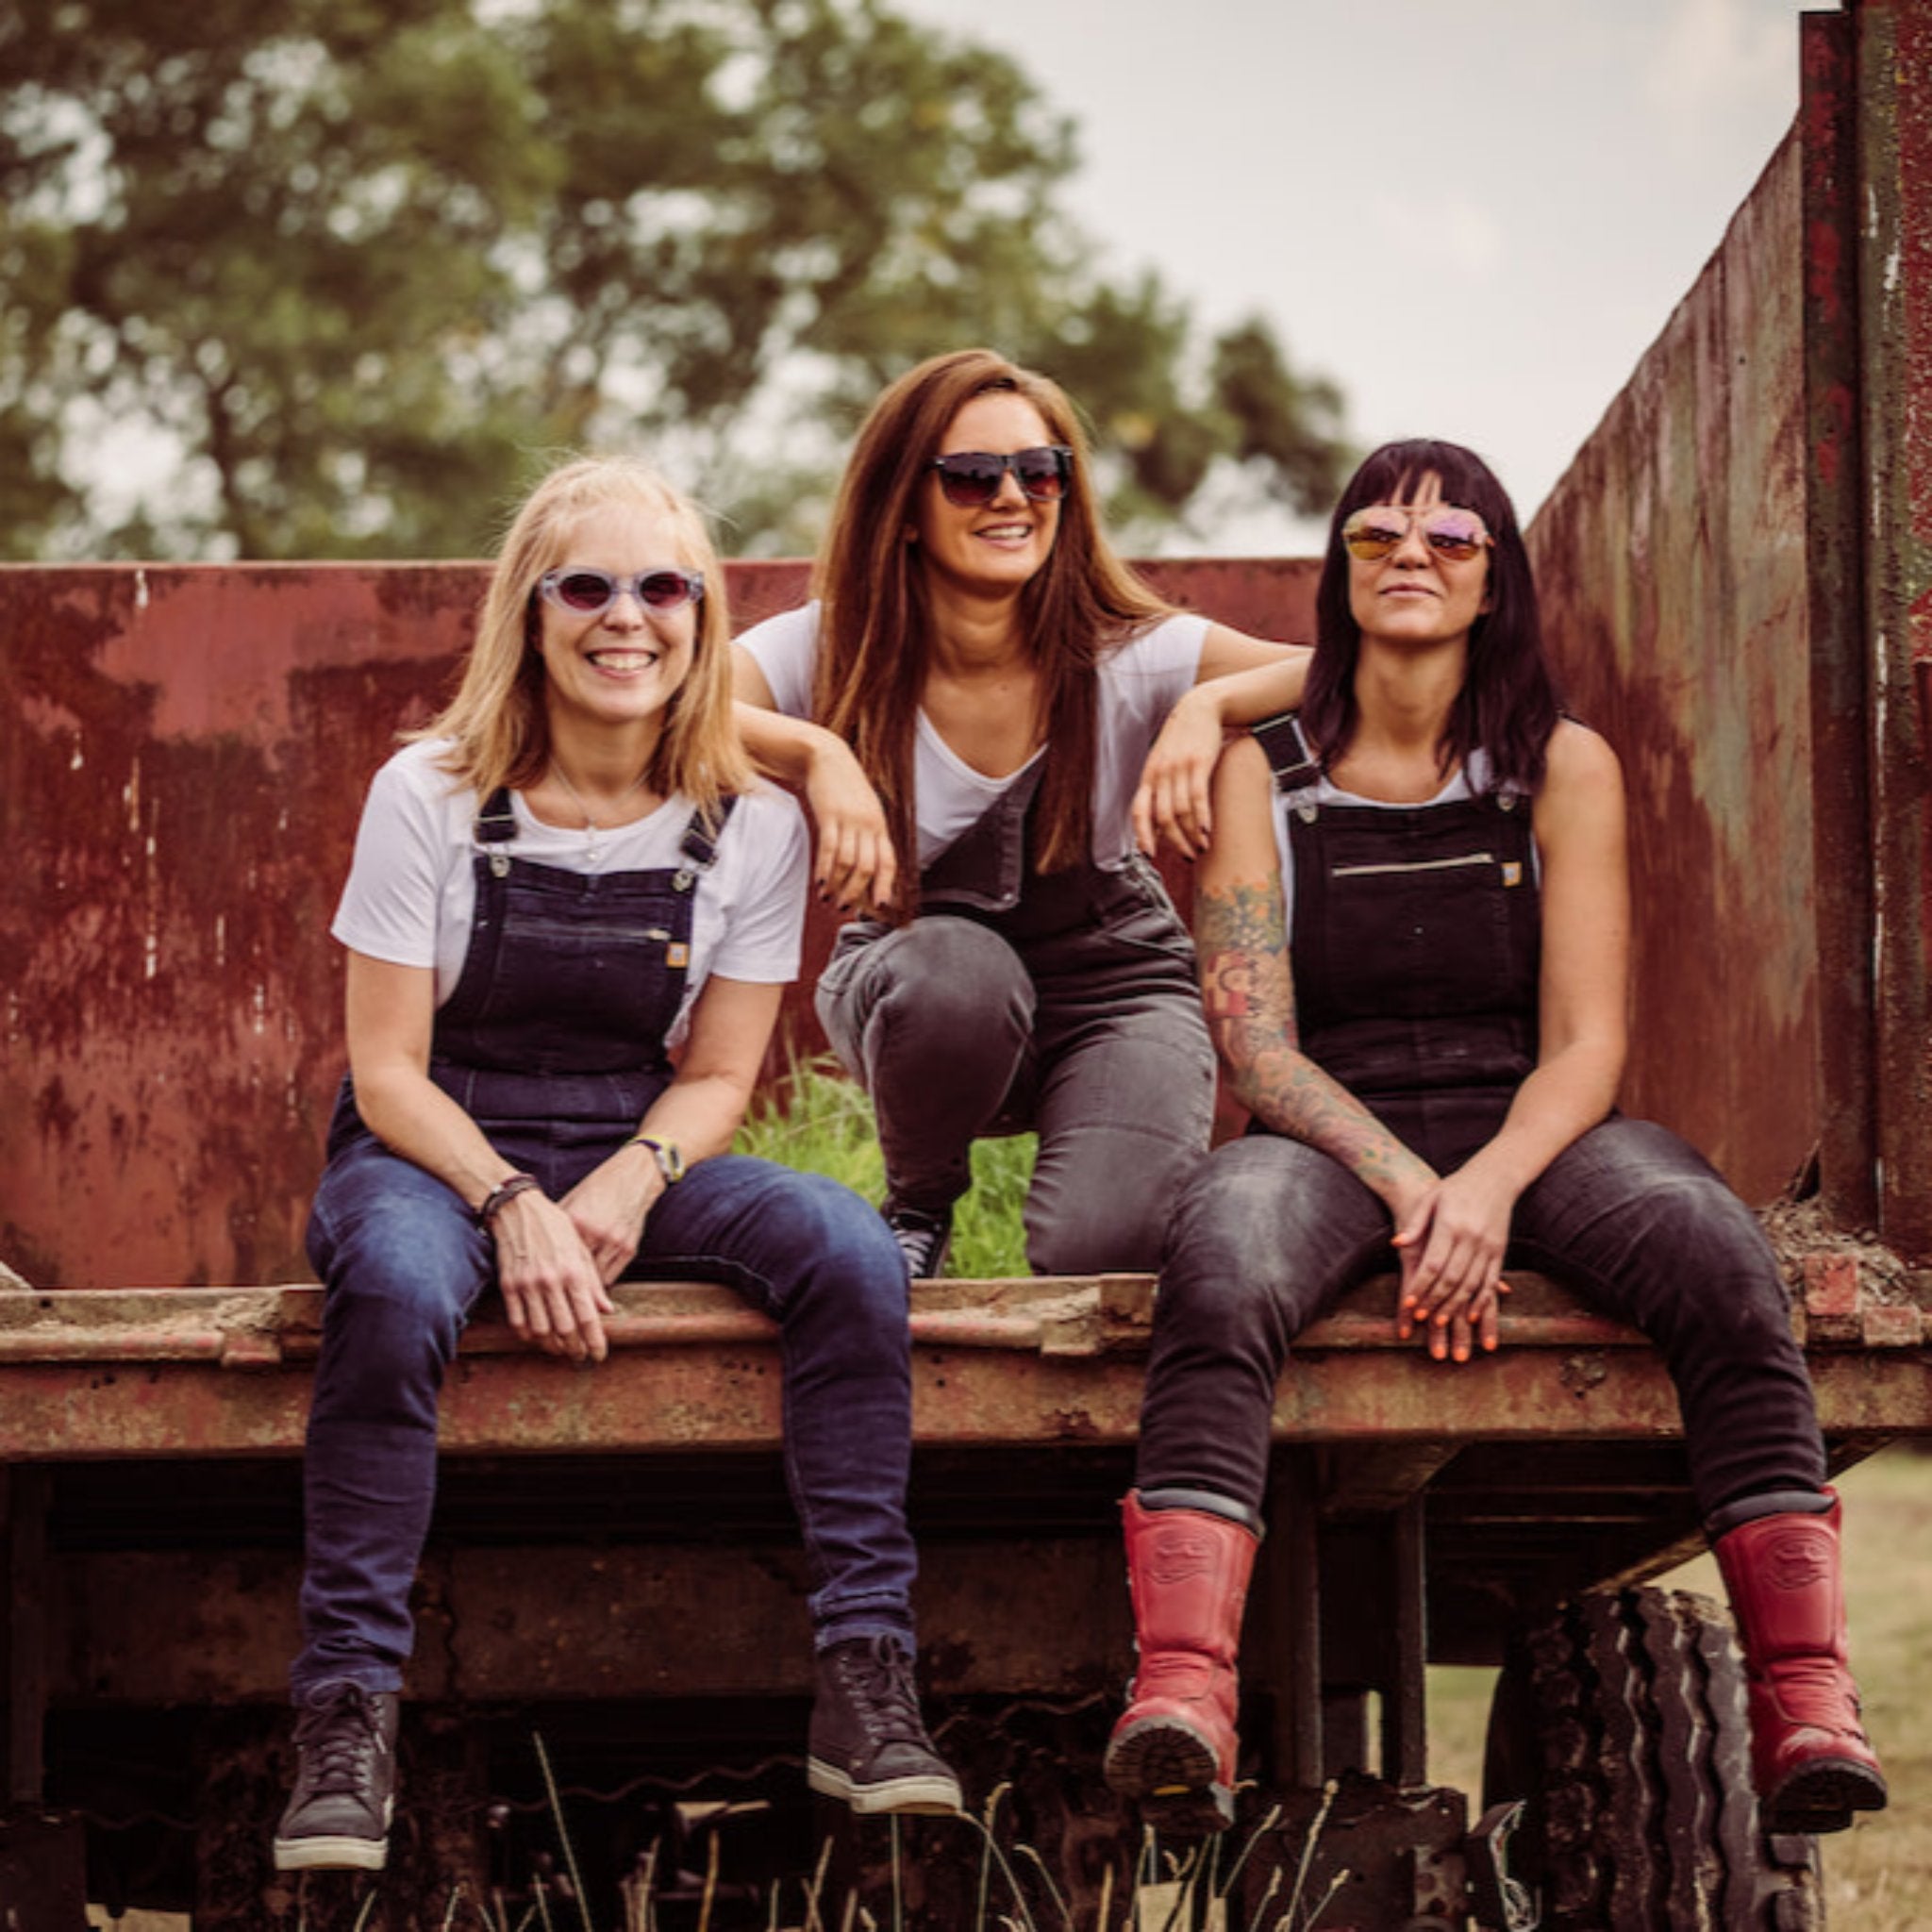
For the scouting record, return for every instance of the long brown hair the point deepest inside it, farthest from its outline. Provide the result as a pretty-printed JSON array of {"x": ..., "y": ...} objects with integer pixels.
[
  {"x": 876, "y": 618},
  {"x": 497, "y": 719}
]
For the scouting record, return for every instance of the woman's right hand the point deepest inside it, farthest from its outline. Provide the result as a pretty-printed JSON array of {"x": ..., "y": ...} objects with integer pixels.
[
  {"x": 855, "y": 867},
  {"x": 551, "y": 1287},
  {"x": 1173, "y": 802},
  {"x": 1451, "y": 1237}
]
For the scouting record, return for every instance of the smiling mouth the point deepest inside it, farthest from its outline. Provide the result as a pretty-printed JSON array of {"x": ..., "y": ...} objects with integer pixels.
[{"x": 631, "y": 658}]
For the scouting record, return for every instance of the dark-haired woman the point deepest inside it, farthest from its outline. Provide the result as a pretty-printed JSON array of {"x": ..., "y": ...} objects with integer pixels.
[
  {"x": 571, "y": 918},
  {"x": 970, "y": 701},
  {"x": 1413, "y": 928}
]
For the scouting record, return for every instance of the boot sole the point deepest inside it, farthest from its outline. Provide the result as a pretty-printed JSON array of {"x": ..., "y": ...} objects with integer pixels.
[
  {"x": 1821, "y": 1796},
  {"x": 931, "y": 1795},
  {"x": 1169, "y": 1770},
  {"x": 331, "y": 1854}
]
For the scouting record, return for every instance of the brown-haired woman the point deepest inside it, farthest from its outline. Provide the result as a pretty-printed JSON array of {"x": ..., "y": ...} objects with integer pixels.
[
  {"x": 970, "y": 701},
  {"x": 1413, "y": 921}
]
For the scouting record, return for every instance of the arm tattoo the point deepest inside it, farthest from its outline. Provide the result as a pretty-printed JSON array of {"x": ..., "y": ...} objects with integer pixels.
[{"x": 1247, "y": 986}]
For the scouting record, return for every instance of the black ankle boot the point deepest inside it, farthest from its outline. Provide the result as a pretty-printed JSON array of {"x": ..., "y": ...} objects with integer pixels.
[{"x": 868, "y": 1745}]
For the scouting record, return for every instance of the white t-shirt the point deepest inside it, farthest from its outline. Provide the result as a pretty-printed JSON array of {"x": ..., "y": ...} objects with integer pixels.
[
  {"x": 411, "y": 893},
  {"x": 1138, "y": 683}
]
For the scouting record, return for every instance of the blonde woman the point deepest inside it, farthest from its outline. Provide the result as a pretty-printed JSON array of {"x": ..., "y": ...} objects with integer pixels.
[{"x": 570, "y": 920}]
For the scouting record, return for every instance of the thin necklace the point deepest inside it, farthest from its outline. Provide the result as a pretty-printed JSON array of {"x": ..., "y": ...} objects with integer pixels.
[{"x": 591, "y": 829}]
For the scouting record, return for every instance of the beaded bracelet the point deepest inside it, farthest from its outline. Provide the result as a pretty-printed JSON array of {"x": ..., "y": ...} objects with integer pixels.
[{"x": 505, "y": 1190}]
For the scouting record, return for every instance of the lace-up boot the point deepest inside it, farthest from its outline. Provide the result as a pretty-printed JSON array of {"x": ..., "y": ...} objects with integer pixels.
[
  {"x": 1810, "y": 1759},
  {"x": 924, "y": 1239},
  {"x": 868, "y": 1745},
  {"x": 345, "y": 1782}
]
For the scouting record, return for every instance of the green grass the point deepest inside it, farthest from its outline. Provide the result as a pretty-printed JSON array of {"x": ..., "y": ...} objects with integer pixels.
[{"x": 822, "y": 1122}]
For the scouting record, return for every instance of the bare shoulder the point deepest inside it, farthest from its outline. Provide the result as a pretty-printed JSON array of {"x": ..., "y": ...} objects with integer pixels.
[{"x": 1579, "y": 761}]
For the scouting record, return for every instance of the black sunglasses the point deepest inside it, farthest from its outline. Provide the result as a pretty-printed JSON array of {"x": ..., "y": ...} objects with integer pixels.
[
  {"x": 971, "y": 479},
  {"x": 585, "y": 592}
]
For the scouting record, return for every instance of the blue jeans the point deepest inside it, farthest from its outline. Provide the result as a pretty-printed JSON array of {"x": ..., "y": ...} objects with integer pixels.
[
  {"x": 1093, "y": 1037},
  {"x": 405, "y": 1264},
  {"x": 1272, "y": 1231}
]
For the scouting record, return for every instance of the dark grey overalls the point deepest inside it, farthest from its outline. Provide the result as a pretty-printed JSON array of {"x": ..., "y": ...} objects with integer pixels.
[
  {"x": 1064, "y": 1002},
  {"x": 1416, "y": 942}
]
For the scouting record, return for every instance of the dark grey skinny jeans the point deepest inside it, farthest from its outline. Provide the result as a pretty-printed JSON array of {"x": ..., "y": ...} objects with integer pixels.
[
  {"x": 1270, "y": 1231},
  {"x": 1091, "y": 1034}
]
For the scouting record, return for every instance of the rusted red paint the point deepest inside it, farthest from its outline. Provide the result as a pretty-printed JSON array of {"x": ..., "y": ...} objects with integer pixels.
[
  {"x": 186, "y": 750},
  {"x": 1840, "y": 683},
  {"x": 1672, "y": 565},
  {"x": 1018, "y": 1363},
  {"x": 1894, "y": 127}
]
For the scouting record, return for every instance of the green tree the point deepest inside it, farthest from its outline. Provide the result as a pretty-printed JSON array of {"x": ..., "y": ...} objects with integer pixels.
[{"x": 360, "y": 266}]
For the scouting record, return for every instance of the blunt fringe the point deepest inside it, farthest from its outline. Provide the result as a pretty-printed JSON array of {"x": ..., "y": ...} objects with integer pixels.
[
  {"x": 1508, "y": 705},
  {"x": 497, "y": 717},
  {"x": 875, "y": 624}
]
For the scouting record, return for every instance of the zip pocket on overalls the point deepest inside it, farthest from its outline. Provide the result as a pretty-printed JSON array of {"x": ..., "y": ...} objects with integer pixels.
[{"x": 1357, "y": 871}]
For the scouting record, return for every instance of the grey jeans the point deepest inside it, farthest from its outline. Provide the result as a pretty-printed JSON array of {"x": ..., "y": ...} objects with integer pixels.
[
  {"x": 1091, "y": 1034},
  {"x": 1272, "y": 1231}
]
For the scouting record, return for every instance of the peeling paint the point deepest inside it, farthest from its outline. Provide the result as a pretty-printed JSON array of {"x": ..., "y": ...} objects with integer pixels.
[{"x": 177, "y": 1000}]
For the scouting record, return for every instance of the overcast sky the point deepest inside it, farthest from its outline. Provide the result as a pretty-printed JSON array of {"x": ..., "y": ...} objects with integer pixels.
[{"x": 1474, "y": 216}]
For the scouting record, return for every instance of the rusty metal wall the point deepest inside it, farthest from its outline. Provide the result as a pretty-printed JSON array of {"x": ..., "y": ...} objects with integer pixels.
[
  {"x": 1671, "y": 560},
  {"x": 1738, "y": 579},
  {"x": 1891, "y": 132},
  {"x": 183, "y": 753}
]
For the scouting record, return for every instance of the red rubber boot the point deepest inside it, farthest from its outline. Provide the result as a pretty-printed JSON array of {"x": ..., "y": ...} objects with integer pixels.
[
  {"x": 1810, "y": 1759},
  {"x": 1173, "y": 1749}
]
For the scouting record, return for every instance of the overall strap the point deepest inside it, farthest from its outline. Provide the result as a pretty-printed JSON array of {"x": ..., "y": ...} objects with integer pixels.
[
  {"x": 1289, "y": 756},
  {"x": 496, "y": 824},
  {"x": 698, "y": 848},
  {"x": 1297, "y": 770},
  {"x": 497, "y": 821}
]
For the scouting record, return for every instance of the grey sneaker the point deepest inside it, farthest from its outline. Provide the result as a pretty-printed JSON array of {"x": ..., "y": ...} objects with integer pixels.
[
  {"x": 868, "y": 1743},
  {"x": 922, "y": 1239},
  {"x": 346, "y": 1783}
]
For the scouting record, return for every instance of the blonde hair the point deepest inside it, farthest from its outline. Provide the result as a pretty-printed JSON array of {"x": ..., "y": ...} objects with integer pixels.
[
  {"x": 497, "y": 717},
  {"x": 872, "y": 632}
]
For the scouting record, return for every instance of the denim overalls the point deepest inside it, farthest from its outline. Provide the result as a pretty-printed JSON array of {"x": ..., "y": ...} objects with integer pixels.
[
  {"x": 553, "y": 1041},
  {"x": 1063, "y": 1001},
  {"x": 1415, "y": 948}
]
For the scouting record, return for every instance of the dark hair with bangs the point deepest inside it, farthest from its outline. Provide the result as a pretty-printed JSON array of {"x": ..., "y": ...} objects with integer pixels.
[
  {"x": 875, "y": 617},
  {"x": 1508, "y": 703}
]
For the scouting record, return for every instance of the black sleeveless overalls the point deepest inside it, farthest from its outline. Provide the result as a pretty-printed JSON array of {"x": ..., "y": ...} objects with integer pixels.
[
  {"x": 1063, "y": 1001},
  {"x": 552, "y": 1040},
  {"x": 1416, "y": 944}
]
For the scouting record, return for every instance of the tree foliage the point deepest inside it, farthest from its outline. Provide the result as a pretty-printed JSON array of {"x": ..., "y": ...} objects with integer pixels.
[{"x": 358, "y": 267}]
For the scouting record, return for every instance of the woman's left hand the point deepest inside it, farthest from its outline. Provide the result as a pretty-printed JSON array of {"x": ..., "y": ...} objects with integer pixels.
[
  {"x": 1452, "y": 1244},
  {"x": 1171, "y": 803},
  {"x": 609, "y": 1205}
]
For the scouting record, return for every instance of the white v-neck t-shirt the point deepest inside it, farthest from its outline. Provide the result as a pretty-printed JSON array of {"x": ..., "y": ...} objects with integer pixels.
[{"x": 1139, "y": 681}]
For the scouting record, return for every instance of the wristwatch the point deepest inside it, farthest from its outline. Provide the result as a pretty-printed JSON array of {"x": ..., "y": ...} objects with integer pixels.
[{"x": 667, "y": 1153}]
